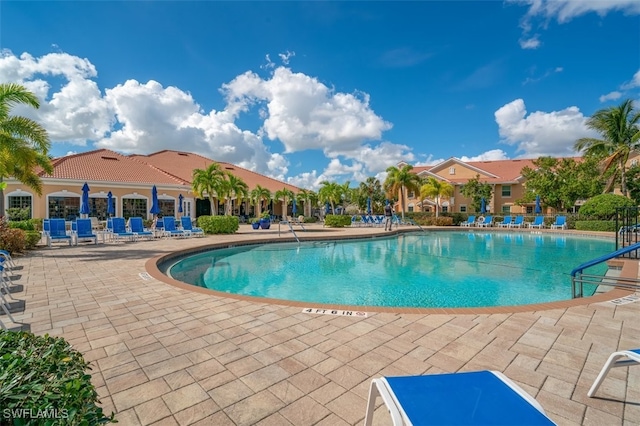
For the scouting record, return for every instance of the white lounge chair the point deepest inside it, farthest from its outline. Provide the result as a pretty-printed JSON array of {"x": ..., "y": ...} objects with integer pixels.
[
  {"x": 506, "y": 222},
  {"x": 471, "y": 220},
  {"x": 560, "y": 223},
  {"x": 626, "y": 358},
  {"x": 469, "y": 398},
  {"x": 538, "y": 222}
]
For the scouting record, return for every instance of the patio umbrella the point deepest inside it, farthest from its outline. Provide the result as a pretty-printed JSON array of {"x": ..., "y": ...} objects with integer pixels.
[
  {"x": 538, "y": 209},
  {"x": 180, "y": 198},
  {"x": 293, "y": 208},
  {"x": 369, "y": 205},
  {"x": 483, "y": 206},
  {"x": 111, "y": 208},
  {"x": 84, "y": 205},
  {"x": 155, "y": 207},
  {"x": 326, "y": 207}
]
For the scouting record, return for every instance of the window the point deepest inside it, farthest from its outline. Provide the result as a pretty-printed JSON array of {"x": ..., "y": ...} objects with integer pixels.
[
  {"x": 98, "y": 208},
  {"x": 67, "y": 208},
  {"x": 411, "y": 208},
  {"x": 134, "y": 207},
  {"x": 23, "y": 202},
  {"x": 506, "y": 191},
  {"x": 463, "y": 209},
  {"x": 529, "y": 209},
  {"x": 167, "y": 207},
  {"x": 445, "y": 209},
  {"x": 452, "y": 170},
  {"x": 506, "y": 209},
  {"x": 411, "y": 194}
]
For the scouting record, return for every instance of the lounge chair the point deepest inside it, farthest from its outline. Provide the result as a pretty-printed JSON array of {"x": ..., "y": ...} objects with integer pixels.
[
  {"x": 170, "y": 229},
  {"x": 187, "y": 226},
  {"x": 119, "y": 229},
  {"x": 471, "y": 220},
  {"x": 83, "y": 231},
  {"x": 6, "y": 261},
  {"x": 538, "y": 222},
  {"x": 96, "y": 225},
  {"x": 506, "y": 222},
  {"x": 57, "y": 231},
  {"x": 560, "y": 223},
  {"x": 469, "y": 398},
  {"x": 626, "y": 358},
  {"x": 137, "y": 227},
  {"x": 486, "y": 222},
  {"x": 517, "y": 222}
]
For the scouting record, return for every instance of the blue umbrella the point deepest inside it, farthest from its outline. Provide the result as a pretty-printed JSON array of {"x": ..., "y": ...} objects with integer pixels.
[
  {"x": 326, "y": 208},
  {"x": 538, "y": 209},
  {"x": 483, "y": 206},
  {"x": 155, "y": 207},
  {"x": 369, "y": 205},
  {"x": 386, "y": 202},
  {"x": 294, "y": 209},
  {"x": 84, "y": 205},
  {"x": 180, "y": 198},
  {"x": 111, "y": 208}
]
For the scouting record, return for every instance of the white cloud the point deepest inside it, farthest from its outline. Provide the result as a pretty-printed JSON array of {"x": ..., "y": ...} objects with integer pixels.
[
  {"x": 530, "y": 43},
  {"x": 541, "y": 133},
  {"x": 635, "y": 82},
  {"x": 610, "y": 96},
  {"x": 286, "y": 57},
  {"x": 624, "y": 89},
  {"x": 492, "y": 155}
]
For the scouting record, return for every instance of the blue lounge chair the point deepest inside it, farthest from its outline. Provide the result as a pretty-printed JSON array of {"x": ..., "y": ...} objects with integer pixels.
[
  {"x": 170, "y": 229},
  {"x": 83, "y": 231},
  {"x": 486, "y": 222},
  {"x": 57, "y": 231},
  {"x": 617, "y": 359},
  {"x": 187, "y": 226},
  {"x": 137, "y": 227},
  {"x": 471, "y": 220},
  {"x": 506, "y": 222},
  {"x": 560, "y": 223},
  {"x": 469, "y": 398},
  {"x": 538, "y": 222},
  {"x": 517, "y": 222},
  {"x": 120, "y": 229}
]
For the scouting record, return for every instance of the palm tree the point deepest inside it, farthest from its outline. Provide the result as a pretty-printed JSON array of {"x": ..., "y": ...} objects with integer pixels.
[
  {"x": 304, "y": 196},
  {"x": 435, "y": 189},
  {"x": 370, "y": 189},
  {"x": 237, "y": 189},
  {"x": 257, "y": 195},
  {"x": 399, "y": 181},
  {"x": 284, "y": 194},
  {"x": 620, "y": 131},
  {"x": 330, "y": 192},
  {"x": 209, "y": 181},
  {"x": 24, "y": 143}
]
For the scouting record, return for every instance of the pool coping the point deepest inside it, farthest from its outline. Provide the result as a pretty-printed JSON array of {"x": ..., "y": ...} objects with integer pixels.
[{"x": 152, "y": 266}]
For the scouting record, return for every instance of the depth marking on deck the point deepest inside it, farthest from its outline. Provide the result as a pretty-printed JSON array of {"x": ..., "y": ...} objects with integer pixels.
[
  {"x": 338, "y": 312},
  {"x": 625, "y": 300},
  {"x": 145, "y": 276}
]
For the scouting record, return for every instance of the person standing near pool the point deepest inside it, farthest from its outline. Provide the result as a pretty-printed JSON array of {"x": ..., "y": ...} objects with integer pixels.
[{"x": 388, "y": 215}]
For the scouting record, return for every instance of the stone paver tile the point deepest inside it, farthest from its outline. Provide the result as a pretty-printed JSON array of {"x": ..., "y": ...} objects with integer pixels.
[
  {"x": 230, "y": 393},
  {"x": 205, "y": 369},
  {"x": 196, "y": 412},
  {"x": 216, "y": 380},
  {"x": 256, "y": 407},
  {"x": 327, "y": 366},
  {"x": 178, "y": 379},
  {"x": 347, "y": 377},
  {"x": 276, "y": 419},
  {"x": 244, "y": 366},
  {"x": 125, "y": 381},
  {"x": 594, "y": 417},
  {"x": 370, "y": 363},
  {"x": 327, "y": 393},
  {"x": 167, "y": 367},
  {"x": 291, "y": 365},
  {"x": 127, "y": 417},
  {"x": 265, "y": 377},
  {"x": 120, "y": 369},
  {"x": 558, "y": 387},
  {"x": 304, "y": 411},
  {"x": 562, "y": 407},
  {"x": 308, "y": 380},
  {"x": 286, "y": 392},
  {"x": 139, "y": 394},
  {"x": 152, "y": 411},
  {"x": 218, "y": 419},
  {"x": 349, "y": 406},
  {"x": 184, "y": 397},
  {"x": 333, "y": 420},
  {"x": 310, "y": 356},
  {"x": 167, "y": 421}
]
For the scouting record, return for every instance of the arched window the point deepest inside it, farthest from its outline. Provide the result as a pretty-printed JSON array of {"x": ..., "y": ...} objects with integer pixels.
[{"x": 19, "y": 205}]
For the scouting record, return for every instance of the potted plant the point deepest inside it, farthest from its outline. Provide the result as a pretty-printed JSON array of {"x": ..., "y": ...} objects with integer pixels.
[
  {"x": 265, "y": 220},
  {"x": 255, "y": 223}
]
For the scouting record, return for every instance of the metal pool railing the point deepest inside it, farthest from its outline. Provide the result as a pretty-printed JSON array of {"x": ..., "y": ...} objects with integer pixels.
[{"x": 579, "y": 278}]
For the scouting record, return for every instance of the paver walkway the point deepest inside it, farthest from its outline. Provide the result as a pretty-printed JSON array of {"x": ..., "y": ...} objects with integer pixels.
[{"x": 163, "y": 355}]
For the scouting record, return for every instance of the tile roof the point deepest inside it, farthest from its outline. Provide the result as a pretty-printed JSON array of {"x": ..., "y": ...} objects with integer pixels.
[{"x": 109, "y": 166}]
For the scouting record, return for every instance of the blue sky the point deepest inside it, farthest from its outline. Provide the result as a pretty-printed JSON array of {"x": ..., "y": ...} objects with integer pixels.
[{"x": 313, "y": 91}]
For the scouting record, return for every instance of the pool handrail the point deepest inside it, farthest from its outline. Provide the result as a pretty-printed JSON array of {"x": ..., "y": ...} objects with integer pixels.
[{"x": 579, "y": 269}]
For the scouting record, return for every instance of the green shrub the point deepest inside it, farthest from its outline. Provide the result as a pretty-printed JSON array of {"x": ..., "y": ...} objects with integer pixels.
[
  {"x": 310, "y": 219},
  {"x": 603, "y": 207},
  {"x": 12, "y": 240},
  {"x": 25, "y": 225},
  {"x": 596, "y": 225},
  {"x": 337, "y": 220},
  {"x": 42, "y": 374},
  {"x": 32, "y": 238},
  {"x": 218, "y": 224},
  {"x": 18, "y": 213}
]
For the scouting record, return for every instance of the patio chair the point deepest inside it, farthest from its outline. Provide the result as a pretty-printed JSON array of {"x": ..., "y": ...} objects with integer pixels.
[
  {"x": 187, "y": 226},
  {"x": 57, "y": 231},
  {"x": 538, "y": 222},
  {"x": 137, "y": 227},
  {"x": 83, "y": 230},
  {"x": 506, "y": 222},
  {"x": 96, "y": 225},
  {"x": 469, "y": 398},
  {"x": 6, "y": 261},
  {"x": 626, "y": 358},
  {"x": 517, "y": 222},
  {"x": 560, "y": 223},
  {"x": 486, "y": 222},
  {"x": 471, "y": 221},
  {"x": 119, "y": 229},
  {"x": 170, "y": 229}
]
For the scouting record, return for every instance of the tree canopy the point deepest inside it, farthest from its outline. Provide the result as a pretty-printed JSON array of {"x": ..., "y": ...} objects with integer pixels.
[
  {"x": 399, "y": 180},
  {"x": 476, "y": 191}
]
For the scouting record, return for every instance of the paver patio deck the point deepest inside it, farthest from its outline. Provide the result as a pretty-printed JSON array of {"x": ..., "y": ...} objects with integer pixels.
[{"x": 165, "y": 355}]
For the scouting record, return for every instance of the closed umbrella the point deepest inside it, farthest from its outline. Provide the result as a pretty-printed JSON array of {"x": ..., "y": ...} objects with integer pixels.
[
  {"x": 483, "y": 206},
  {"x": 155, "y": 207},
  {"x": 369, "y": 205},
  {"x": 84, "y": 206},
  {"x": 180, "y": 198},
  {"x": 111, "y": 208},
  {"x": 294, "y": 208},
  {"x": 538, "y": 209},
  {"x": 326, "y": 208}
]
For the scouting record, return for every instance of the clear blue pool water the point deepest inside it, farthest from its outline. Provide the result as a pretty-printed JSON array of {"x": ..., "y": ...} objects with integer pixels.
[{"x": 439, "y": 269}]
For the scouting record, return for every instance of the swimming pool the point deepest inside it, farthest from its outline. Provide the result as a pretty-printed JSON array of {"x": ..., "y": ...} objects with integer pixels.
[{"x": 437, "y": 269}]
